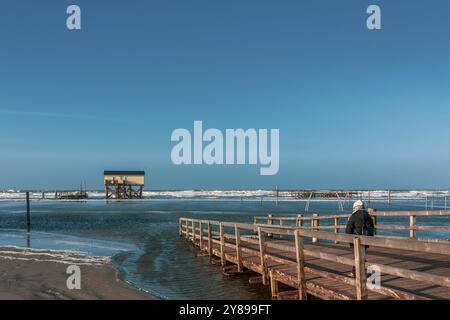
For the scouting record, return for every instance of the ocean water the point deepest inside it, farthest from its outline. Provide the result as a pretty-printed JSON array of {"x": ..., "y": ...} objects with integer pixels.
[{"x": 142, "y": 235}]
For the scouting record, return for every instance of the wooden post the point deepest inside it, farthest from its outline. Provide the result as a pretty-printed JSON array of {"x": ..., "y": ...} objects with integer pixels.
[
  {"x": 273, "y": 285},
  {"x": 222, "y": 244},
  {"x": 237, "y": 233},
  {"x": 412, "y": 224},
  {"x": 193, "y": 231},
  {"x": 300, "y": 266},
  {"x": 28, "y": 217},
  {"x": 181, "y": 228},
  {"x": 277, "y": 197},
  {"x": 262, "y": 254},
  {"x": 269, "y": 222},
  {"x": 281, "y": 224},
  {"x": 336, "y": 227},
  {"x": 210, "y": 243},
  {"x": 360, "y": 270},
  {"x": 314, "y": 225},
  {"x": 201, "y": 236},
  {"x": 187, "y": 229},
  {"x": 389, "y": 197},
  {"x": 299, "y": 220},
  {"x": 374, "y": 219}
]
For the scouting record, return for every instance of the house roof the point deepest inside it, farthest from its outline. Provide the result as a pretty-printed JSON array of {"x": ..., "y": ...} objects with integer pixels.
[{"x": 124, "y": 173}]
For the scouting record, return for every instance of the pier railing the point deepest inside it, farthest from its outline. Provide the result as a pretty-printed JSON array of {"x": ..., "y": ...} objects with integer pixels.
[
  {"x": 333, "y": 222},
  {"x": 229, "y": 241}
]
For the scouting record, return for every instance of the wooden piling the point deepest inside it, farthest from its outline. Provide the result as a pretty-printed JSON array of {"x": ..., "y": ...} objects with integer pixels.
[
  {"x": 360, "y": 270},
  {"x": 262, "y": 254},
  {"x": 28, "y": 217},
  {"x": 222, "y": 243},
  {"x": 301, "y": 279}
]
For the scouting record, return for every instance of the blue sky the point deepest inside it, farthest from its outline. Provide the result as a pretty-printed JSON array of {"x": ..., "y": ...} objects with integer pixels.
[{"x": 355, "y": 108}]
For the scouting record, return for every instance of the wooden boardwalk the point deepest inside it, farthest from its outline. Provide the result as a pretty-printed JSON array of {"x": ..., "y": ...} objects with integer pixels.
[{"x": 310, "y": 263}]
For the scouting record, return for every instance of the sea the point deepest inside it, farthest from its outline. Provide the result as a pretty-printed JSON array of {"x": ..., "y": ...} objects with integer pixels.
[{"x": 142, "y": 236}]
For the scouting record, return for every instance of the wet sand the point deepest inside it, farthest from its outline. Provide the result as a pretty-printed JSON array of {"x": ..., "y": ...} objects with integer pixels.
[{"x": 41, "y": 274}]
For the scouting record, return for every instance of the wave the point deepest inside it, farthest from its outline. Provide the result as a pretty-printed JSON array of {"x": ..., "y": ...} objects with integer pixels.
[{"x": 12, "y": 195}]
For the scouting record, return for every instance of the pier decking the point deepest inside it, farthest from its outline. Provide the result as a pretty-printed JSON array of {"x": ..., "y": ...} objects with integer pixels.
[{"x": 317, "y": 263}]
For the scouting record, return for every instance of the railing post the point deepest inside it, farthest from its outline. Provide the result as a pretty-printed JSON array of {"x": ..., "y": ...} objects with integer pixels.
[
  {"x": 412, "y": 225},
  {"x": 186, "y": 224},
  {"x": 269, "y": 222},
  {"x": 281, "y": 224},
  {"x": 262, "y": 254},
  {"x": 314, "y": 225},
  {"x": 300, "y": 266},
  {"x": 210, "y": 239},
  {"x": 273, "y": 285},
  {"x": 201, "y": 236},
  {"x": 374, "y": 219},
  {"x": 360, "y": 270},
  {"x": 336, "y": 228},
  {"x": 180, "y": 227},
  {"x": 299, "y": 220},
  {"x": 237, "y": 233},
  {"x": 193, "y": 231},
  {"x": 222, "y": 244}
]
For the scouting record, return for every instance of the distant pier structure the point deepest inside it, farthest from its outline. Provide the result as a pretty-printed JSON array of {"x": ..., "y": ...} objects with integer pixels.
[{"x": 124, "y": 184}]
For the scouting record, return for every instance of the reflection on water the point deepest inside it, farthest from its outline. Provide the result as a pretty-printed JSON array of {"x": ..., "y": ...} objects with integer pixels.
[{"x": 143, "y": 238}]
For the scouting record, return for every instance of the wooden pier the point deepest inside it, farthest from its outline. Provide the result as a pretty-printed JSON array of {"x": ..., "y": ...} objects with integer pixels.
[{"x": 296, "y": 251}]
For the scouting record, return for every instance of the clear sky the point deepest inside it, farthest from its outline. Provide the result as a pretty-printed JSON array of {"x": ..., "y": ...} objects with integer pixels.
[{"x": 355, "y": 108}]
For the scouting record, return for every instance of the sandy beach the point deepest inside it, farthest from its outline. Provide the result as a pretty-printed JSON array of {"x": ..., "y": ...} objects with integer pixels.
[{"x": 41, "y": 274}]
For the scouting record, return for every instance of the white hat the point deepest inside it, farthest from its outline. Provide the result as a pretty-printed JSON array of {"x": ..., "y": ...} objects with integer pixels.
[{"x": 358, "y": 205}]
